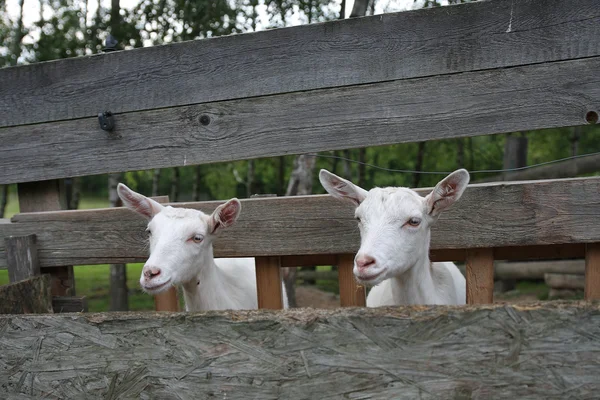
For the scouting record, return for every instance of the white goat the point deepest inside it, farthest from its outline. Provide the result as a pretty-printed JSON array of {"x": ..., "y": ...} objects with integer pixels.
[
  {"x": 181, "y": 253},
  {"x": 394, "y": 224}
]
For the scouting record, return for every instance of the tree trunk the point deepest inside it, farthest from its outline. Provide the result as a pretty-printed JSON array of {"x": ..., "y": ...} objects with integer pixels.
[
  {"x": 175, "y": 185},
  {"x": 250, "y": 178},
  {"x": 3, "y": 200},
  {"x": 118, "y": 272},
  {"x": 300, "y": 184},
  {"x": 197, "y": 182},
  {"x": 347, "y": 169},
  {"x": 460, "y": 152},
  {"x": 515, "y": 153},
  {"x": 19, "y": 35},
  {"x": 419, "y": 164},
  {"x": 155, "y": 182},
  {"x": 281, "y": 176},
  {"x": 360, "y": 8},
  {"x": 362, "y": 155},
  {"x": 575, "y": 134},
  {"x": 75, "y": 194}
]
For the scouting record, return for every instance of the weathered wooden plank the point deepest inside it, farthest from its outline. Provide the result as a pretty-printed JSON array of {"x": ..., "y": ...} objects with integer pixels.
[
  {"x": 268, "y": 283},
  {"x": 21, "y": 257},
  {"x": 592, "y": 271},
  {"x": 465, "y": 104},
  {"x": 480, "y": 276},
  {"x": 32, "y": 295},
  {"x": 494, "y": 352},
  {"x": 351, "y": 293},
  {"x": 69, "y": 304},
  {"x": 544, "y": 213},
  {"x": 427, "y": 42}
]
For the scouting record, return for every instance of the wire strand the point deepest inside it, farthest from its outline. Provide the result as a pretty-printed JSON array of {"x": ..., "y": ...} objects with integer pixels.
[{"x": 482, "y": 171}]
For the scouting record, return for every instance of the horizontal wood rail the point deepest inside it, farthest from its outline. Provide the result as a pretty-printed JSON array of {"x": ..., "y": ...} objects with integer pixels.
[
  {"x": 470, "y": 37},
  {"x": 459, "y": 104},
  {"x": 506, "y": 216}
]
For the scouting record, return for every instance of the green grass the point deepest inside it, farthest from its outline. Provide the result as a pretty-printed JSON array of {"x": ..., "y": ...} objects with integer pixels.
[
  {"x": 86, "y": 202},
  {"x": 92, "y": 281}
]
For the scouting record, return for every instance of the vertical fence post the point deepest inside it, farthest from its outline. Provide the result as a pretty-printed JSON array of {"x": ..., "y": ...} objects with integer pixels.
[
  {"x": 592, "y": 271},
  {"x": 21, "y": 257},
  {"x": 48, "y": 196},
  {"x": 351, "y": 293},
  {"x": 268, "y": 282},
  {"x": 480, "y": 276},
  {"x": 167, "y": 300}
]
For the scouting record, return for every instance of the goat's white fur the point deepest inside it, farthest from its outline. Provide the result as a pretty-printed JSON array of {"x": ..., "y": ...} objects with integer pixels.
[
  {"x": 402, "y": 272},
  {"x": 208, "y": 284}
]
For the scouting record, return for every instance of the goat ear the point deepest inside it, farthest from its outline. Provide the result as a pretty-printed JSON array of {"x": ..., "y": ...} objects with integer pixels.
[
  {"x": 341, "y": 188},
  {"x": 138, "y": 203},
  {"x": 225, "y": 215},
  {"x": 447, "y": 191}
]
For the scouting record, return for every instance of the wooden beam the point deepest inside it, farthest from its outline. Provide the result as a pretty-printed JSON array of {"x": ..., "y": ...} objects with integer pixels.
[
  {"x": 48, "y": 196},
  {"x": 21, "y": 257},
  {"x": 556, "y": 218},
  {"x": 167, "y": 300},
  {"x": 314, "y": 121},
  {"x": 31, "y": 295},
  {"x": 468, "y": 37},
  {"x": 69, "y": 304},
  {"x": 268, "y": 282},
  {"x": 592, "y": 271},
  {"x": 480, "y": 276},
  {"x": 404, "y": 353},
  {"x": 351, "y": 293}
]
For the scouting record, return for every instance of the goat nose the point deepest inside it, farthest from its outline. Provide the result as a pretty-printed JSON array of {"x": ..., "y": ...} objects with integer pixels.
[
  {"x": 364, "y": 261},
  {"x": 151, "y": 272}
]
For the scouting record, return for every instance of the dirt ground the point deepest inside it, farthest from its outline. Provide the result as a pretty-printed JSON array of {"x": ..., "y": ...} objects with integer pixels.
[{"x": 310, "y": 296}]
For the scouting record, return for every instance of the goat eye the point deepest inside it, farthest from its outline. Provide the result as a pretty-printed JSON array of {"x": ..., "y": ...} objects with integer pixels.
[
  {"x": 414, "y": 222},
  {"x": 198, "y": 239},
  {"x": 148, "y": 232},
  {"x": 358, "y": 219}
]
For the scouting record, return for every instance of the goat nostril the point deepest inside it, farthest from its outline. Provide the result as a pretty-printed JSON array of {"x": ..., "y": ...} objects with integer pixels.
[
  {"x": 151, "y": 273},
  {"x": 365, "y": 262}
]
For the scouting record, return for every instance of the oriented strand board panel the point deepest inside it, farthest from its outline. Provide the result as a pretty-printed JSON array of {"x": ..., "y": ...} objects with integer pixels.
[
  {"x": 476, "y": 36},
  {"x": 496, "y": 352},
  {"x": 457, "y": 105},
  {"x": 542, "y": 213}
]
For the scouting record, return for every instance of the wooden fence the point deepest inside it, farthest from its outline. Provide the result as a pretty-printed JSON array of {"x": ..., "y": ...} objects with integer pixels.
[{"x": 482, "y": 68}]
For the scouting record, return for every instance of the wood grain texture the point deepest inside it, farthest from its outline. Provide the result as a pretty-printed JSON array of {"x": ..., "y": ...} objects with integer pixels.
[
  {"x": 592, "y": 271},
  {"x": 167, "y": 300},
  {"x": 426, "y": 42},
  {"x": 32, "y": 295},
  {"x": 565, "y": 281},
  {"x": 495, "y": 352},
  {"x": 21, "y": 257},
  {"x": 69, "y": 304},
  {"x": 458, "y": 105},
  {"x": 268, "y": 283},
  {"x": 544, "y": 213},
  {"x": 49, "y": 195},
  {"x": 351, "y": 293},
  {"x": 41, "y": 196},
  {"x": 480, "y": 276}
]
